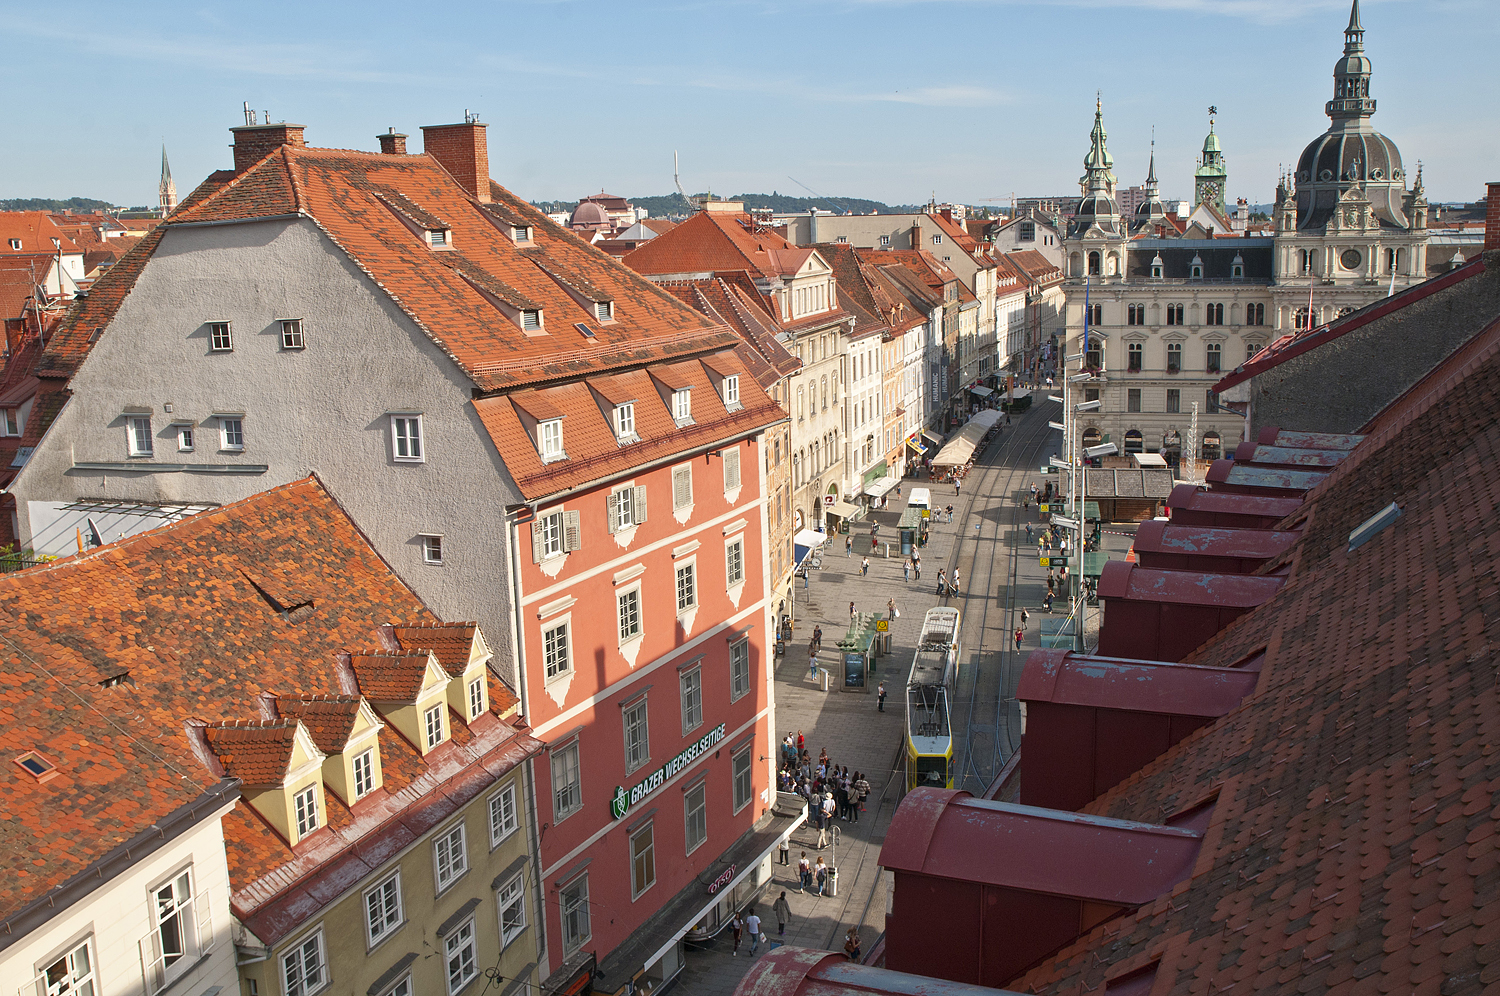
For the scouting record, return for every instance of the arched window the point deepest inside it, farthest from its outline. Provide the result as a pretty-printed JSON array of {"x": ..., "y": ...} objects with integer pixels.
[
  {"x": 817, "y": 464},
  {"x": 1094, "y": 269},
  {"x": 799, "y": 404},
  {"x": 1134, "y": 441},
  {"x": 1212, "y": 448},
  {"x": 1304, "y": 318},
  {"x": 825, "y": 393},
  {"x": 1091, "y": 436}
]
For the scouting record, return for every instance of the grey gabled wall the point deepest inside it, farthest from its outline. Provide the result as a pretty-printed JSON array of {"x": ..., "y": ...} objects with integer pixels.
[{"x": 321, "y": 409}]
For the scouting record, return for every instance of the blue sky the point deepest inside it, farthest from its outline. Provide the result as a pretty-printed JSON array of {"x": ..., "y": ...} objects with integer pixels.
[{"x": 895, "y": 100}]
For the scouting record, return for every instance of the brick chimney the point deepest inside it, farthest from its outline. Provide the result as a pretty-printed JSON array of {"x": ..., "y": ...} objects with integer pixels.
[
  {"x": 461, "y": 150},
  {"x": 253, "y": 142},
  {"x": 392, "y": 144},
  {"x": 1492, "y": 219}
]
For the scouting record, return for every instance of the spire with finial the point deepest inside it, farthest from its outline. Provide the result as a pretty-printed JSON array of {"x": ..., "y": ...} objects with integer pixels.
[
  {"x": 1351, "y": 75},
  {"x": 1354, "y": 34},
  {"x": 1098, "y": 162},
  {"x": 166, "y": 191}
]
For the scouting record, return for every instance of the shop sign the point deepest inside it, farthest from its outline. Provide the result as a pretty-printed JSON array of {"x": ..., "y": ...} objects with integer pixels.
[
  {"x": 1054, "y": 561},
  {"x": 725, "y": 877},
  {"x": 622, "y": 800}
]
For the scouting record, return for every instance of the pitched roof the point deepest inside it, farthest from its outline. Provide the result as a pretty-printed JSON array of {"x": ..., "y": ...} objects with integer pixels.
[
  {"x": 391, "y": 677},
  {"x": 328, "y": 718},
  {"x": 450, "y": 642},
  {"x": 35, "y": 230},
  {"x": 1353, "y": 846},
  {"x": 166, "y": 627},
  {"x": 257, "y": 752}
]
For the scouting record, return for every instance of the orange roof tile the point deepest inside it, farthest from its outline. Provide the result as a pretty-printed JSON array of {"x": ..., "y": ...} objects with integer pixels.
[
  {"x": 255, "y": 752},
  {"x": 451, "y": 642},
  {"x": 390, "y": 677},
  {"x": 328, "y": 718}
]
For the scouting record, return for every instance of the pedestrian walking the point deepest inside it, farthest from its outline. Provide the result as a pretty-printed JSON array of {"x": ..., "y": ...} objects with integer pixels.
[
  {"x": 738, "y": 926},
  {"x": 820, "y": 874},
  {"x": 954, "y": 586},
  {"x": 906, "y": 569},
  {"x": 851, "y": 611},
  {"x": 890, "y": 609},
  {"x": 802, "y": 741},
  {"x": 851, "y": 944},
  {"x": 804, "y": 873},
  {"x": 812, "y": 662},
  {"x": 752, "y": 924},
  {"x": 783, "y": 911},
  {"x": 1028, "y": 532},
  {"x": 880, "y": 698},
  {"x": 1024, "y": 617},
  {"x": 786, "y": 852},
  {"x": 817, "y": 638},
  {"x": 864, "y": 567},
  {"x": 956, "y": 487},
  {"x": 941, "y": 582},
  {"x": 1020, "y": 634},
  {"x": 862, "y": 786},
  {"x": 1047, "y": 602},
  {"x": 829, "y": 808}
]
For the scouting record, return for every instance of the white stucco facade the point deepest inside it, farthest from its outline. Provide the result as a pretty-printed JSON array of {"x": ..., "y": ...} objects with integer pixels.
[{"x": 109, "y": 936}]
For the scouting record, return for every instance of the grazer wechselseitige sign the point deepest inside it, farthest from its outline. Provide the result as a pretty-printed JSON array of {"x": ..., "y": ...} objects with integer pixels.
[{"x": 620, "y": 804}]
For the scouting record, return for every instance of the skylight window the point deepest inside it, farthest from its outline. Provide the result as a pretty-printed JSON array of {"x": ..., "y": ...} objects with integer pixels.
[
  {"x": 1372, "y": 526},
  {"x": 35, "y": 764},
  {"x": 584, "y": 330}
]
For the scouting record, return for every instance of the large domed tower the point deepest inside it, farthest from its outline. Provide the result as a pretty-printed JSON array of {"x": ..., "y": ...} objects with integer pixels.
[{"x": 1350, "y": 224}]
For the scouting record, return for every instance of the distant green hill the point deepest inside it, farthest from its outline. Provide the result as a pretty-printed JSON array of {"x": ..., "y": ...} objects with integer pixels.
[
  {"x": 673, "y": 204},
  {"x": 53, "y": 204}
]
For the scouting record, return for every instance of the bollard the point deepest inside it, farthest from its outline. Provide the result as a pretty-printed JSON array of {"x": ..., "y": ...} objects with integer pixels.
[{"x": 825, "y": 678}]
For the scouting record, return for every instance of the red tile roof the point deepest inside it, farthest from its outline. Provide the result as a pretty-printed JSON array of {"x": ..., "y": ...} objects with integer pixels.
[
  {"x": 256, "y": 752},
  {"x": 164, "y": 627},
  {"x": 35, "y": 230},
  {"x": 1353, "y": 846},
  {"x": 451, "y": 642},
  {"x": 328, "y": 718},
  {"x": 390, "y": 677}
]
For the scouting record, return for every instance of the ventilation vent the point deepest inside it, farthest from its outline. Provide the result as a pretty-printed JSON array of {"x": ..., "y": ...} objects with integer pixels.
[
  {"x": 116, "y": 680},
  {"x": 1372, "y": 526},
  {"x": 604, "y": 310},
  {"x": 531, "y": 320}
]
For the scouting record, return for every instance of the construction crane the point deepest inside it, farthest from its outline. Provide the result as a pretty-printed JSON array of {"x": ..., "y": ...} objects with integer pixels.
[{"x": 695, "y": 204}]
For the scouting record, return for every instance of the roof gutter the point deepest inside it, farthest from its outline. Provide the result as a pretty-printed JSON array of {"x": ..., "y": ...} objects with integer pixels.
[{"x": 215, "y": 802}]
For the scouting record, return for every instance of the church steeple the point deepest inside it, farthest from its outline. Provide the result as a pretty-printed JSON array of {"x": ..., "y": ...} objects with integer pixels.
[
  {"x": 1151, "y": 211},
  {"x": 1097, "y": 208},
  {"x": 166, "y": 191},
  {"x": 1211, "y": 177},
  {"x": 1098, "y": 163},
  {"x": 1351, "y": 74}
]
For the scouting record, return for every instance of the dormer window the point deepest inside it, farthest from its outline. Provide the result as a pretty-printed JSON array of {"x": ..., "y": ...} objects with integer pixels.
[
  {"x": 15, "y": 243},
  {"x": 531, "y": 319},
  {"x": 520, "y": 233},
  {"x": 1237, "y": 268},
  {"x": 624, "y": 420},
  {"x": 1197, "y": 267},
  {"x": 549, "y": 440},
  {"x": 604, "y": 311},
  {"x": 682, "y": 406},
  {"x": 732, "y": 392},
  {"x": 1156, "y": 267},
  {"x": 439, "y": 238},
  {"x": 433, "y": 729},
  {"x": 305, "y": 810}
]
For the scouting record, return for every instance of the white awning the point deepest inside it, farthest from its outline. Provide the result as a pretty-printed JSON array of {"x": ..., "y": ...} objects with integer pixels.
[
  {"x": 810, "y": 538},
  {"x": 843, "y": 510},
  {"x": 880, "y": 487},
  {"x": 960, "y": 449},
  {"x": 982, "y": 392},
  {"x": 1150, "y": 460}
]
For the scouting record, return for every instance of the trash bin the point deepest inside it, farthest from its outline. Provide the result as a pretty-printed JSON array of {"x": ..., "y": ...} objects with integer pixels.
[
  {"x": 825, "y": 677},
  {"x": 833, "y": 881}
]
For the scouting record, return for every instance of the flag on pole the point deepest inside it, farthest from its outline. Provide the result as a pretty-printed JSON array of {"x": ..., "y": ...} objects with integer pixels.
[{"x": 1086, "y": 311}]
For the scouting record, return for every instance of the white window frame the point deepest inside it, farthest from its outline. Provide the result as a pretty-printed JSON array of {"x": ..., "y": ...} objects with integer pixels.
[
  {"x": 689, "y": 569},
  {"x": 735, "y": 774},
  {"x": 690, "y": 692},
  {"x": 689, "y": 810},
  {"x": 511, "y": 899},
  {"x": 682, "y": 473},
  {"x": 635, "y": 717},
  {"x": 554, "y": 534},
  {"x": 460, "y": 957},
  {"x": 626, "y": 507},
  {"x": 291, "y": 334},
  {"x": 734, "y": 562},
  {"x": 76, "y": 981},
  {"x": 549, "y": 440},
  {"x": 604, "y": 311},
  {"x": 739, "y": 669},
  {"x": 433, "y": 733},
  {"x": 648, "y": 830},
  {"x": 682, "y": 406},
  {"x": 184, "y": 438},
  {"x": 573, "y": 905},
  {"x": 232, "y": 433},
  {"x": 402, "y": 987},
  {"x": 10, "y": 422},
  {"x": 137, "y": 430},
  {"x": 364, "y": 781},
  {"x": 476, "y": 697},
  {"x": 221, "y": 337},
  {"x": 439, "y": 238},
  {"x": 308, "y": 957},
  {"x": 404, "y": 438},
  {"x": 624, "y": 419},
  {"x": 432, "y": 548},
  {"x": 732, "y": 392},
  {"x": 632, "y": 593},
  {"x": 450, "y": 856},
  {"x": 391, "y": 912},
  {"x": 562, "y": 807},
  {"x": 503, "y": 819},
  {"x": 552, "y": 669},
  {"x": 732, "y": 474},
  {"x": 530, "y": 320},
  {"x": 307, "y": 796},
  {"x": 177, "y": 917}
]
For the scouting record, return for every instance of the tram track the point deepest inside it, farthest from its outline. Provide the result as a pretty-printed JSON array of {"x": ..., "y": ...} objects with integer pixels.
[{"x": 1012, "y": 457}]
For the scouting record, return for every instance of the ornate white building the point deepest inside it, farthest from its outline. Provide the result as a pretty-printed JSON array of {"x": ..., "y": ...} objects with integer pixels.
[{"x": 1168, "y": 316}]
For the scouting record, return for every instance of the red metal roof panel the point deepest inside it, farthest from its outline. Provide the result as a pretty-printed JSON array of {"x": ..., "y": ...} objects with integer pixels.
[
  {"x": 1156, "y": 536},
  {"x": 1137, "y": 686},
  {"x": 1120, "y": 579}
]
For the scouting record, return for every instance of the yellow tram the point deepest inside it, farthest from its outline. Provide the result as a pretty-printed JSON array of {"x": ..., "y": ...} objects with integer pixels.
[{"x": 929, "y": 693}]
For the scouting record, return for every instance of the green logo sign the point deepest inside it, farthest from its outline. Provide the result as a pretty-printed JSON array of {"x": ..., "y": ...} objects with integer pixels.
[{"x": 621, "y": 801}]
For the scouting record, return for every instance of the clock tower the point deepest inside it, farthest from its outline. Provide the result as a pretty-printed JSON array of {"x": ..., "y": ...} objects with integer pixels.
[{"x": 1210, "y": 179}]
